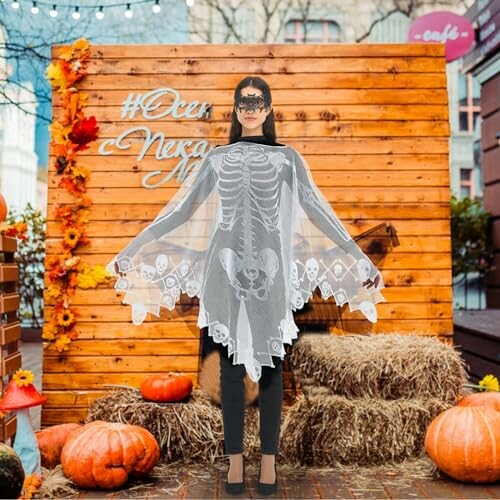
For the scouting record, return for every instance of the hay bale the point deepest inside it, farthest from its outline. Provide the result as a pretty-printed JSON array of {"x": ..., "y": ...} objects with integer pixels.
[
  {"x": 385, "y": 366},
  {"x": 332, "y": 430},
  {"x": 191, "y": 431},
  {"x": 209, "y": 380}
]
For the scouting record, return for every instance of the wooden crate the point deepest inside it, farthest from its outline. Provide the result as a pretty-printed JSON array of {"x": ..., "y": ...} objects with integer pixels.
[
  {"x": 10, "y": 328},
  {"x": 370, "y": 119}
]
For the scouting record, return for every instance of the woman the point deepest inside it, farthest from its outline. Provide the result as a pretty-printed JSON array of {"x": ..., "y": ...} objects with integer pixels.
[{"x": 251, "y": 235}]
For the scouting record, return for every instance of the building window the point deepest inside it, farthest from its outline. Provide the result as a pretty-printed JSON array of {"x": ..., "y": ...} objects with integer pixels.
[
  {"x": 467, "y": 183},
  {"x": 311, "y": 31},
  {"x": 469, "y": 93}
]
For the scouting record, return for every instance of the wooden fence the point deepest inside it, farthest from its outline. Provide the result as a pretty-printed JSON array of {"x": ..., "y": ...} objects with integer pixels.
[
  {"x": 372, "y": 122},
  {"x": 10, "y": 328}
]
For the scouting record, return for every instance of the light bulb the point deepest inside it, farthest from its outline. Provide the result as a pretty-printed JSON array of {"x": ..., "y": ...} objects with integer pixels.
[
  {"x": 53, "y": 12},
  {"x": 189, "y": 3},
  {"x": 99, "y": 14},
  {"x": 128, "y": 12},
  {"x": 156, "y": 7},
  {"x": 15, "y": 4},
  {"x": 76, "y": 14},
  {"x": 35, "y": 9}
]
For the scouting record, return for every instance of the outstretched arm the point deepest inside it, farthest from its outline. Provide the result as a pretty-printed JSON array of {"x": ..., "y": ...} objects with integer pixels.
[
  {"x": 318, "y": 209},
  {"x": 186, "y": 202},
  {"x": 321, "y": 214}
]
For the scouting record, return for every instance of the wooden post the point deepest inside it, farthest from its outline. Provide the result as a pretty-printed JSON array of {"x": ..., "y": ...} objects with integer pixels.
[{"x": 10, "y": 328}]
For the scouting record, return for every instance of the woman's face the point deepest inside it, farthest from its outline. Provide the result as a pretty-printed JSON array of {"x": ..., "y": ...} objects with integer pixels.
[{"x": 251, "y": 111}]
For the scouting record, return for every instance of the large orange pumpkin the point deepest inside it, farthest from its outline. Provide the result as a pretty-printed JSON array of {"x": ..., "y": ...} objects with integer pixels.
[
  {"x": 490, "y": 399},
  {"x": 103, "y": 454},
  {"x": 3, "y": 208},
  {"x": 464, "y": 442},
  {"x": 166, "y": 387},
  {"x": 51, "y": 441}
]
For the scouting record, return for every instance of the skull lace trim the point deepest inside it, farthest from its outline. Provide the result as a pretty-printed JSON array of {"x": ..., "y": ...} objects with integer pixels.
[
  {"x": 346, "y": 279},
  {"x": 160, "y": 284},
  {"x": 252, "y": 360}
]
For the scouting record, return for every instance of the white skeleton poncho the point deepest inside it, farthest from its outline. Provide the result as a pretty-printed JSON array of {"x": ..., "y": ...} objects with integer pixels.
[{"x": 251, "y": 235}]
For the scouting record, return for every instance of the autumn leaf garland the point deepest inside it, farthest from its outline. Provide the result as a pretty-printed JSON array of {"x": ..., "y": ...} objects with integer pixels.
[{"x": 70, "y": 134}]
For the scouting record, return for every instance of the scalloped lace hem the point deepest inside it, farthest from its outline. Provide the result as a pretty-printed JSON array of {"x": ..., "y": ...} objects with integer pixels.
[
  {"x": 345, "y": 283},
  {"x": 243, "y": 351}
]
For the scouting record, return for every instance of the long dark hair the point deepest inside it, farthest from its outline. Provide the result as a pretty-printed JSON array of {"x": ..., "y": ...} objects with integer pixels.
[{"x": 268, "y": 127}]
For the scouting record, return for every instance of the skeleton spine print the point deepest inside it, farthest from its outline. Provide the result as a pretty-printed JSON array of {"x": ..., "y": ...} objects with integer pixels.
[{"x": 249, "y": 186}]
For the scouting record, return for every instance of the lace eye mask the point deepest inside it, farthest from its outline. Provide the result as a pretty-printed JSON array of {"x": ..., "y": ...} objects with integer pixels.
[{"x": 251, "y": 103}]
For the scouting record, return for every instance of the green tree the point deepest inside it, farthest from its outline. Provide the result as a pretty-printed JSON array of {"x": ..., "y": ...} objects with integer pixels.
[
  {"x": 471, "y": 237},
  {"x": 30, "y": 257}
]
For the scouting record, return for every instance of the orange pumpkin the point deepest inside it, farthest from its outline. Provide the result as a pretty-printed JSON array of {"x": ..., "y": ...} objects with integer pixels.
[
  {"x": 490, "y": 399},
  {"x": 103, "y": 454},
  {"x": 464, "y": 442},
  {"x": 3, "y": 208},
  {"x": 166, "y": 387},
  {"x": 51, "y": 441}
]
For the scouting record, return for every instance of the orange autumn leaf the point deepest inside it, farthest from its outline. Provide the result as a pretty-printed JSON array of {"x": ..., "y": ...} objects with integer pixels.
[
  {"x": 51, "y": 260},
  {"x": 72, "y": 334},
  {"x": 70, "y": 73},
  {"x": 83, "y": 45},
  {"x": 64, "y": 149},
  {"x": 65, "y": 53},
  {"x": 73, "y": 105},
  {"x": 74, "y": 185},
  {"x": 59, "y": 132},
  {"x": 16, "y": 230},
  {"x": 83, "y": 99}
]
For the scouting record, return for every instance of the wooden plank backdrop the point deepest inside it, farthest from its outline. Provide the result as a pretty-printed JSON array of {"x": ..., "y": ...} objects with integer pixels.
[{"x": 371, "y": 120}]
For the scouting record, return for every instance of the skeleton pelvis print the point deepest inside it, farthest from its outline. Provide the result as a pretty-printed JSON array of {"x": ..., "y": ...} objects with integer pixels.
[{"x": 250, "y": 276}]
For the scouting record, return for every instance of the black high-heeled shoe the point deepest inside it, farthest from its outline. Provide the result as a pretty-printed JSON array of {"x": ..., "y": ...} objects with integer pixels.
[
  {"x": 235, "y": 488},
  {"x": 268, "y": 488}
]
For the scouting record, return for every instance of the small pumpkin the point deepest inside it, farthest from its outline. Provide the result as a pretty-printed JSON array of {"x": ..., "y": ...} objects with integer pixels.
[
  {"x": 103, "y": 454},
  {"x": 4, "y": 210},
  {"x": 489, "y": 399},
  {"x": 464, "y": 442},
  {"x": 166, "y": 387},
  {"x": 51, "y": 441},
  {"x": 11, "y": 472}
]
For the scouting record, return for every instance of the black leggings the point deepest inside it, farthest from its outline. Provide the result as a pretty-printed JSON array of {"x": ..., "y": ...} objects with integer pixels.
[{"x": 233, "y": 402}]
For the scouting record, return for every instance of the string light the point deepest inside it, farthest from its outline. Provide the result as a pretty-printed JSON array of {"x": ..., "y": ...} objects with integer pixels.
[
  {"x": 76, "y": 14},
  {"x": 100, "y": 14}
]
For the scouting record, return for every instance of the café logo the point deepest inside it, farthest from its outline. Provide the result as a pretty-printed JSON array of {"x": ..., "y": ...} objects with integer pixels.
[{"x": 455, "y": 31}]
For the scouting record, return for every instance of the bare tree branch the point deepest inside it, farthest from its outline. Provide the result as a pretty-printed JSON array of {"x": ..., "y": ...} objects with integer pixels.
[{"x": 406, "y": 10}]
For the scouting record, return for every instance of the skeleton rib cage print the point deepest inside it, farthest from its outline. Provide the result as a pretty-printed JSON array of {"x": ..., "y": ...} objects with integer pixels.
[{"x": 252, "y": 236}]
